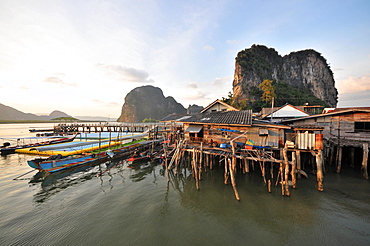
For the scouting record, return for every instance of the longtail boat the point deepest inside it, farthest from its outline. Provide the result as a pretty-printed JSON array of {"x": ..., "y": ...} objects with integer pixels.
[
  {"x": 59, "y": 162},
  {"x": 56, "y": 163},
  {"x": 7, "y": 149}
]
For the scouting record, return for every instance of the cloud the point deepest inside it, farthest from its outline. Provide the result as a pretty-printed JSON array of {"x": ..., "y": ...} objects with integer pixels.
[
  {"x": 232, "y": 41},
  {"x": 193, "y": 85},
  {"x": 208, "y": 47},
  {"x": 354, "y": 84},
  {"x": 106, "y": 104},
  {"x": 222, "y": 81},
  {"x": 126, "y": 73},
  {"x": 23, "y": 88},
  {"x": 56, "y": 80},
  {"x": 194, "y": 96}
]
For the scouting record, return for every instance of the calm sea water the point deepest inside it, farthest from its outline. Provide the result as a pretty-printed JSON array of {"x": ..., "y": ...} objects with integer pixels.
[{"x": 125, "y": 206}]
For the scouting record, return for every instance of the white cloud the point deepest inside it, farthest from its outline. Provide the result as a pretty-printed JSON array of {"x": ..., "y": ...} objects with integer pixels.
[
  {"x": 194, "y": 96},
  {"x": 126, "y": 73},
  {"x": 208, "y": 47},
  {"x": 106, "y": 104},
  {"x": 232, "y": 41},
  {"x": 222, "y": 81},
  {"x": 193, "y": 85},
  {"x": 354, "y": 84},
  {"x": 56, "y": 80}
]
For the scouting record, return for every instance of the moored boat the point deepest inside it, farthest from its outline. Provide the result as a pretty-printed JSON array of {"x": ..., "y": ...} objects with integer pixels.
[
  {"x": 8, "y": 149},
  {"x": 58, "y": 162}
]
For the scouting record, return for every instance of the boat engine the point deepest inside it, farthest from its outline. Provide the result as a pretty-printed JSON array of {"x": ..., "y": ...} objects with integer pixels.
[{"x": 6, "y": 144}]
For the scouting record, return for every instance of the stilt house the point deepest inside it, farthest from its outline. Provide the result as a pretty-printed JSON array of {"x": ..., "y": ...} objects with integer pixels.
[{"x": 346, "y": 128}]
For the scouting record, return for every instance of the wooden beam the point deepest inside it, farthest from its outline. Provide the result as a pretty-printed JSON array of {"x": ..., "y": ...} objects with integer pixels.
[{"x": 365, "y": 148}]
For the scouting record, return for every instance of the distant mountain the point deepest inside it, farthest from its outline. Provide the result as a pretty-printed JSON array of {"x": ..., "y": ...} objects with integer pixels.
[
  {"x": 9, "y": 113},
  {"x": 148, "y": 102}
]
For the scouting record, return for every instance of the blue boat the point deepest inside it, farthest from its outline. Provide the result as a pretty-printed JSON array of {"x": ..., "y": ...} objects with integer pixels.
[{"x": 56, "y": 163}]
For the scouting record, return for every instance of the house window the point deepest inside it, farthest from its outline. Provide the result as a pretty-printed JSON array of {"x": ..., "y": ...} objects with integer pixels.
[{"x": 362, "y": 126}]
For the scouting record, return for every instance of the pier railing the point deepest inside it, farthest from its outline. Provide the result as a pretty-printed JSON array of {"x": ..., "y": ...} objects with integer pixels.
[{"x": 109, "y": 127}]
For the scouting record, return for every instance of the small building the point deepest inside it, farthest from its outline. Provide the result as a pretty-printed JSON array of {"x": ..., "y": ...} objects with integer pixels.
[
  {"x": 348, "y": 128},
  {"x": 284, "y": 112},
  {"x": 219, "y": 128},
  {"x": 218, "y": 105}
]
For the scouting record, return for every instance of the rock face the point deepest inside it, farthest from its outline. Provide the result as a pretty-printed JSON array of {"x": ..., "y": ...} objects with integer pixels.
[
  {"x": 305, "y": 69},
  {"x": 148, "y": 102}
]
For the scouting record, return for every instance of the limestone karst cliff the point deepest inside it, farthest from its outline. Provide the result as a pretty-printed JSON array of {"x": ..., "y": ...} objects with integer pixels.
[
  {"x": 148, "y": 102},
  {"x": 307, "y": 72}
]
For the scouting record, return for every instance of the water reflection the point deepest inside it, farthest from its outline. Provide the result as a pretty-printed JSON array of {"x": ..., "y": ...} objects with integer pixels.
[
  {"x": 216, "y": 199},
  {"x": 142, "y": 169},
  {"x": 53, "y": 183}
]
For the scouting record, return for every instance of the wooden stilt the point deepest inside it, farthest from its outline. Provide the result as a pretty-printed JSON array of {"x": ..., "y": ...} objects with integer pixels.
[
  {"x": 331, "y": 150},
  {"x": 271, "y": 176},
  {"x": 226, "y": 172},
  {"x": 232, "y": 177},
  {"x": 298, "y": 161},
  {"x": 195, "y": 168},
  {"x": 339, "y": 160},
  {"x": 365, "y": 148},
  {"x": 352, "y": 157},
  {"x": 294, "y": 171},
  {"x": 246, "y": 167},
  {"x": 165, "y": 160},
  {"x": 200, "y": 163},
  {"x": 263, "y": 169},
  {"x": 286, "y": 173},
  {"x": 319, "y": 174}
]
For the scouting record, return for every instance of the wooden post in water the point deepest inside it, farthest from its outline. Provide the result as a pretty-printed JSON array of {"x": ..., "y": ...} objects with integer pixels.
[
  {"x": 339, "y": 160},
  {"x": 286, "y": 173},
  {"x": 246, "y": 165},
  {"x": 352, "y": 157},
  {"x": 294, "y": 171},
  {"x": 365, "y": 148},
  {"x": 299, "y": 165},
  {"x": 165, "y": 159},
  {"x": 200, "y": 161},
  {"x": 319, "y": 174},
  {"x": 232, "y": 176},
  {"x": 226, "y": 172},
  {"x": 195, "y": 168}
]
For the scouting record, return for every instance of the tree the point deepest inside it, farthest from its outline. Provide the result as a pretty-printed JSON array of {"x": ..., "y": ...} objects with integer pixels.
[
  {"x": 268, "y": 90},
  {"x": 228, "y": 99}
]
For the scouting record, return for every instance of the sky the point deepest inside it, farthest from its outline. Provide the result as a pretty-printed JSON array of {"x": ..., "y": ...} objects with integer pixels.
[{"x": 82, "y": 57}]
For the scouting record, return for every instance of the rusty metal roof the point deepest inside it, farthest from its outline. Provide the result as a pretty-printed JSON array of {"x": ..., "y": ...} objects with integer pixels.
[{"x": 243, "y": 117}]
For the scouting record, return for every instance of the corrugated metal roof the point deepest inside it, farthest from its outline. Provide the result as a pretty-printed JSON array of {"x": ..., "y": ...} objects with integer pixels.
[
  {"x": 194, "y": 128},
  {"x": 243, "y": 117}
]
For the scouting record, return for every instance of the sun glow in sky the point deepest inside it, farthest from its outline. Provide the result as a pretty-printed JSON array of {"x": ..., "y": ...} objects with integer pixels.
[{"x": 83, "y": 57}]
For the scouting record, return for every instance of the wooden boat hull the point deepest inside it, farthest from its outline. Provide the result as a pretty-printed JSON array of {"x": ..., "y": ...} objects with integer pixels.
[{"x": 49, "y": 165}]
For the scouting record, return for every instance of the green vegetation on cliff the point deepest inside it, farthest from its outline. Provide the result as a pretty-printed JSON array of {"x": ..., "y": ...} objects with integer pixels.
[
  {"x": 261, "y": 75},
  {"x": 283, "y": 92}
]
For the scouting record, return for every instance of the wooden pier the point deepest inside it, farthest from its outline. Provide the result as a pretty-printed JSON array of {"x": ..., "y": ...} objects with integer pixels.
[{"x": 109, "y": 127}]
